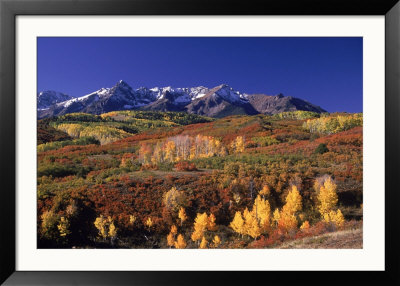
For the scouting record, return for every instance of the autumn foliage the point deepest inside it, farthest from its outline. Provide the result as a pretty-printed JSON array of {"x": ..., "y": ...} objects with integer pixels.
[{"x": 155, "y": 180}]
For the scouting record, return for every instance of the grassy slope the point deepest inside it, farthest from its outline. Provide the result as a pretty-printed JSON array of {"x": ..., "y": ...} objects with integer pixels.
[{"x": 346, "y": 239}]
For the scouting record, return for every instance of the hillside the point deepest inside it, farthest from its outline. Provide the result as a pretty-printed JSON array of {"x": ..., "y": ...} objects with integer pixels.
[
  {"x": 149, "y": 179},
  {"x": 345, "y": 239},
  {"x": 277, "y": 104}
]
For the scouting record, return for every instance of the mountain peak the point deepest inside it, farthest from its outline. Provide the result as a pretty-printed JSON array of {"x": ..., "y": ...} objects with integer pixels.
[
  {"x": 122, "y": 84},
  {"x": 228, "y": 93},
  {"x": 219, "y": 101}
]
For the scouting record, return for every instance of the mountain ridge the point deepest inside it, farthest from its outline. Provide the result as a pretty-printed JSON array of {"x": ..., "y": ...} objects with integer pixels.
[{"x": 219, "y": 101}]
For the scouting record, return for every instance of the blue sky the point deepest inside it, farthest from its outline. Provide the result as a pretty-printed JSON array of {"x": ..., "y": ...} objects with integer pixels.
[{"x": 324, "y": 71}]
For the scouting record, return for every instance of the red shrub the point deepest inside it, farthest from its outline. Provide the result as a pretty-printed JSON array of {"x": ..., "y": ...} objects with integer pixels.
[{"x": 185, "y": 166}]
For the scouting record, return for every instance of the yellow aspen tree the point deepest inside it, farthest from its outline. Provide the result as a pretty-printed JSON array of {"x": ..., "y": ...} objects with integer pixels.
[
  {"x": 106, "y": 227},
  {"x": 63, "y": 227},
  {"x": 170, "y": 240},
  {"x": 149, "y": 223},
  {"x": 293, "y": 201},
  {"x": 239, "y": 144},
  {"x": 339, "y": 218},
  {"x": 174, "y": 229},
  {"x": 237, "y": 223},
  {"x": 200, "y": 225},
  {"x": 251, "y": 225},
  {"x": 211, "y": 223},
  {"x": 170, "y": 151},
  {"x": 192, "y": 154},
  {"x": 327, "y": 197},
  {"x": 101, "y": 224},
  {"x": 216, "y": 241},
  {"x": 180, "y": 242},
  {"x": 276, "y": 216},
  {"x": 203, "y": 243},
  {"x": 157, "y": 154},
  {"x": 288, "y": 219},
  {"x": 132, "y": 219},
  {"x": 262, "y": 211},
  {"x": 112, "y": 230},
  {"x": 246, "y": 213},
  {"x": 49, "y": 223},
  {"x": 182, "y": 215},
  {"x": 335, "y": 217}
]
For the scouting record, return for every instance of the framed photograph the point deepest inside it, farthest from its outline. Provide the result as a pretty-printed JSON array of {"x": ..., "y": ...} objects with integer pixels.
[{"x": 218, "y": 140}]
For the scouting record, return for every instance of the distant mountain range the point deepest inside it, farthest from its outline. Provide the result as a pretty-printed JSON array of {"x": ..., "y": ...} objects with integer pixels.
[{"x": 219, "y": 101}]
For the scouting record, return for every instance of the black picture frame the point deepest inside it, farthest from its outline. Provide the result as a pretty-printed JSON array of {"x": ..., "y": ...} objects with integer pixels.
[{"x": 9, "y": 9}]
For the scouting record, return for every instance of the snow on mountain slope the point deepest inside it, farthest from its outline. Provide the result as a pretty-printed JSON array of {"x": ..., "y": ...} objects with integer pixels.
[
  {"x": 219, "y": 101},
  {"x": 229, "y": 94},
  {"x": 47, "y": 98}
]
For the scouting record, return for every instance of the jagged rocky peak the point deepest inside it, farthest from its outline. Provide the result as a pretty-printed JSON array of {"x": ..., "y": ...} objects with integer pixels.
[{"x": 218, "y": 101}]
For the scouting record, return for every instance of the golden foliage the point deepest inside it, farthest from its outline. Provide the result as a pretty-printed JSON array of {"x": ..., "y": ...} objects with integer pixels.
[
  {"x": 170, "y": 239},
  {"x": 293, "y": 201},
  {"x": 174, "y": 229},
  {"x": 149, "y": 222},
  {"x": 252, "y": 227},
  {"x": 237, "y": 145},
  {"x": 334, "y": 124},
  {"x": 105, "y": 134},
  {"x": 113, "y": 230},
  {"x": 262, "y": 211},
  {"x": 276, "y": 216},
  {"x": 182, "y": 215},
  {"x": 49, "y": 221},
  {"x": 288, "y": 216},
  {"x": 105, "y": 226},
  {"x": 287, "y": 221},
  {"x": 211, "y": 223},
  {"x": 63, "y": 227},
  {"x": 170, "y": 151},
  {"x": 132, "y": 219},
  {"x": 180, "y": 242},
  {"x": 203, "y": 243},
  {"x": 305, "y": 225},
  {"x": 200, "y": 225},
  {"x": 237, "y": 223},
  {"x": 335, "y": 217},
  {"x": 253, "y": 222},
  {"x": 216, "y": 241},
  {"x": 327, "y": 197}
]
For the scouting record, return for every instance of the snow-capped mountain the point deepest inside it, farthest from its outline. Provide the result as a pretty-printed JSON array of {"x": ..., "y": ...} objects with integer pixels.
[
  {"x": 47, "y": 98},
  {"x": 219, "y": 101}
]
